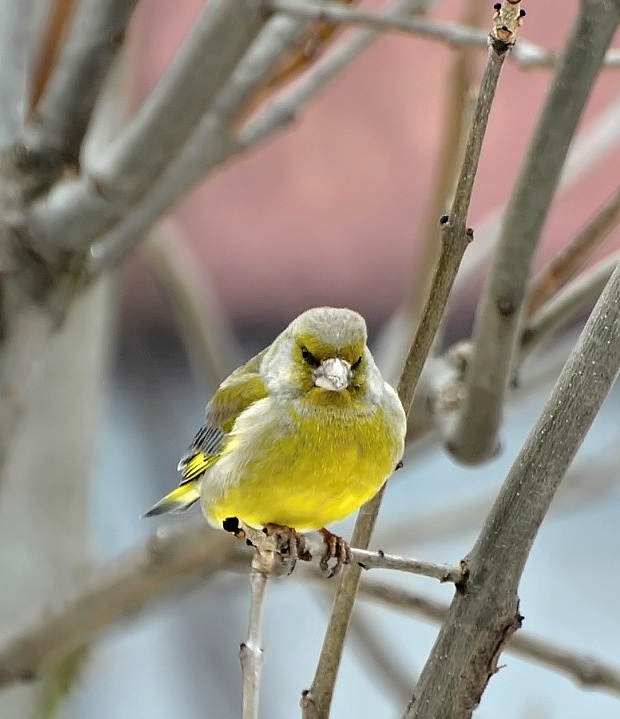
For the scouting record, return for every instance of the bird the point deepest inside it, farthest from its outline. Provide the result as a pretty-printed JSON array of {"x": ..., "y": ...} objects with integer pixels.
[{"x": 297, "y": 438}]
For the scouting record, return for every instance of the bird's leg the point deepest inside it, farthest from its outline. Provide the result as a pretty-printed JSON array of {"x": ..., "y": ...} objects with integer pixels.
[
  {"x": 336, "y": 548},
  {"x": 291, "y": 544}
]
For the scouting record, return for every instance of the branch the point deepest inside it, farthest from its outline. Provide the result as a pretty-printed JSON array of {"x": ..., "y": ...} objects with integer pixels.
[
  {"x": 63, "y": 114},
  {"x": 317, "y": 700},
  {"x": 474, "y": 438},
  {"x": 592, "y": 145},
  {"x": 114, "y": 591},
  {"x": 15, "y": 48},
  {"x": 485, "y": 615},
  {"x": 285, "y": 107},
  {"x": 574, "y": 255},
  {"x": 209, "y": 342},
  {"x": 53, "y": 36},
  {"x": 250, "y": 652},
  {"x": 460, "y": 101},
  {"x": 381, "y": 560},
  {"x": 566, "y": 305},
  {"x": 585, "y": 670},
  {"x": 211, "y": 143},
  {"x": 126, "y": 171},
  {"x": 526, "y": 54}
]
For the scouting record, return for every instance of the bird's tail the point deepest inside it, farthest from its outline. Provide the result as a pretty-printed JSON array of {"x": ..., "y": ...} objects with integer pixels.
[{"x": 178, "y": 500}]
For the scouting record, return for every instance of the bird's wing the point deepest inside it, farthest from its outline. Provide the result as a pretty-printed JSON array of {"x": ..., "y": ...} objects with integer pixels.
[{"x": 240, "y": 390}]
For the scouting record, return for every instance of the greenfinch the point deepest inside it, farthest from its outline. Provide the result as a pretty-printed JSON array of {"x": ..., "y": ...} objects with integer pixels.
[{"x": 300, "y": 436}]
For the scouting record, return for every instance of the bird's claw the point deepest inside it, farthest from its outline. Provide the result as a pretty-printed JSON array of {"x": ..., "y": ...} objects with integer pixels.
[
  {"x": 290, "y": 543},
  {"x": 336, "y": 549}
]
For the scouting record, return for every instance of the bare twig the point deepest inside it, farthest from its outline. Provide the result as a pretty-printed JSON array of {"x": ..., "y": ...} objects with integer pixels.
[
  {"x": 474, "y": 438},
  {"x": 461, "y": 91},
  {"x": 588, "y": 671},
  {"x": 381, "y": 560},
  {"x": 15, "y": 32},
  {"x": 526, "y": 54},
  {"x": 53, "y": 35},
  {"x": 114, "y": 591},
  {"x": 484, "y": 616},
  {"x": 591, "y": 146},
  {"x": 208, "y": 340},
  {"x": 316, "y": 701},
  {"x": 64, "y": 111},
  {"x": 566, "y": 304},
  {"x": 284, "y": 108},
  {"x": 250, "y": 652},
  {"x": 574, "y": 255}
]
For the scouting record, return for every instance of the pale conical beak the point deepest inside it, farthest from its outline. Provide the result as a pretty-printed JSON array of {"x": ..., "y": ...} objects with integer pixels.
[{"x": 333, "y": 374}]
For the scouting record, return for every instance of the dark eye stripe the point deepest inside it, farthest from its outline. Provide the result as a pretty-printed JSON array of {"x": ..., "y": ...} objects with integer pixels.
[
  {"x": 309, "y": 357},
  {"x": 357, "y": 363}
]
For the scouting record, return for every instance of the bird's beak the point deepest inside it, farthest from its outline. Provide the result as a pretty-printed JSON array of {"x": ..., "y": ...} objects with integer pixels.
[{"x": 333, "y": 374}]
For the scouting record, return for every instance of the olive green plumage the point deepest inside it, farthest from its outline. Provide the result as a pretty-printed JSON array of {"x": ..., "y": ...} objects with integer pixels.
[{"x": 301, "y": 435}]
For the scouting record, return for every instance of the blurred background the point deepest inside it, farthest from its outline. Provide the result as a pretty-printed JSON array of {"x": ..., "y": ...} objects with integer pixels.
[{"x": 332, "y": 211}]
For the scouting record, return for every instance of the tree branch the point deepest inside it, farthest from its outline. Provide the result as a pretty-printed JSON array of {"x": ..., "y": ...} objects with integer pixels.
[
  {"x": 585, "y": 670},
  {"x": 484, "y": 616},
  {"x": 130, "y": 166},
  {"x": 526, "y": 54},
  {"x": 593, "y": 144},
  {"x": 316, "y": 701},
  {"x": 474, "y": 438},
  {"x": 209, "y": 341},
  {"x": 566, "y": 305},
  {"x": 63, "y": 114},
  {"x": 15, "y": 48},
  {"x": 115, "y": 591},
  {"x": 574, "y": 255},
  {"x": 251, "y": 652}
]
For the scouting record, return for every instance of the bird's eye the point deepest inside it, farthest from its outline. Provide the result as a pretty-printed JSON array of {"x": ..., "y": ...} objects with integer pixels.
[
  {"x": 309, "y": 357},
  {"x": 356, "y": 364}
]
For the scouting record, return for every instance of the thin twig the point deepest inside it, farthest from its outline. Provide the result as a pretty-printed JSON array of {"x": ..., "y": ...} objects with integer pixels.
[
  {"x": 15, "y": 49},
  {"x": 474, "y": 437},
  {"x": 566, "y": 305},
  {"x": 526, "y": 54},
  {"x": 52, "y": 38},
  {"x": 208, "y": 340},
  {"x": 574, "y": 255},
  {"x": 585, "y": 670},
  {"x": 592, "y": 145},
  {"x": 123, "y": 586},
  {"x": 284, "y": 108},
  {"x": 316, "y": 701},
  {"x": 483, "y": 617},
  {"x": 62, "y": 116},
  {"x": 381, "y": 560},
  {"x": 460, "y": 101},
  {"x": 250, "y": 652}
]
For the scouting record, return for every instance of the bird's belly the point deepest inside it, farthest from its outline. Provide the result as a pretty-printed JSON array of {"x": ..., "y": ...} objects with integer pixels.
[{"x": 305, "y": 479}]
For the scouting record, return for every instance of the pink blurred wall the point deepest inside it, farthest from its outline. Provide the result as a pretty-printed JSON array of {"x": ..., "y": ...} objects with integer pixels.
[{"x": 329, "y": 211}]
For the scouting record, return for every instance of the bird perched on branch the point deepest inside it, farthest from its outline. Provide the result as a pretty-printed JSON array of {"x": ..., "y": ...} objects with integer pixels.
[{"x": 297, "y": 438}]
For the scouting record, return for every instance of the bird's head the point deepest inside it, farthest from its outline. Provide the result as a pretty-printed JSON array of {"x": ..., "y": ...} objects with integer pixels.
[{"x": 324, "y": 349}]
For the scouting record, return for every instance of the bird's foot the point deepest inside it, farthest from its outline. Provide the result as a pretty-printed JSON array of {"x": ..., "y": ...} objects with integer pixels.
[
  {"x": 291, "y": 545},
  {"x": 336, "y": 549}
]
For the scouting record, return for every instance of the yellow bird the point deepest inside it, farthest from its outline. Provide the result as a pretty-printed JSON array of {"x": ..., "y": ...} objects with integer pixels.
[{"x": 300, "y": 436}]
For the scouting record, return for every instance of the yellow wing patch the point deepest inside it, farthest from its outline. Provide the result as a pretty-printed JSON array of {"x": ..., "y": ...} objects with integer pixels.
[{"x": 196, "y": 465}]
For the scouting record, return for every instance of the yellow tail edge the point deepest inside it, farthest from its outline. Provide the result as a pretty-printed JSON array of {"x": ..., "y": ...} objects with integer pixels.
[{"x": 178, "y": 500}]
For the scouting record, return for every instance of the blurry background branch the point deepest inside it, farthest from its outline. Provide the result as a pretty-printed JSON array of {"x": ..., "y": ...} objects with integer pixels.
[{"x": 475, "y": 436}]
